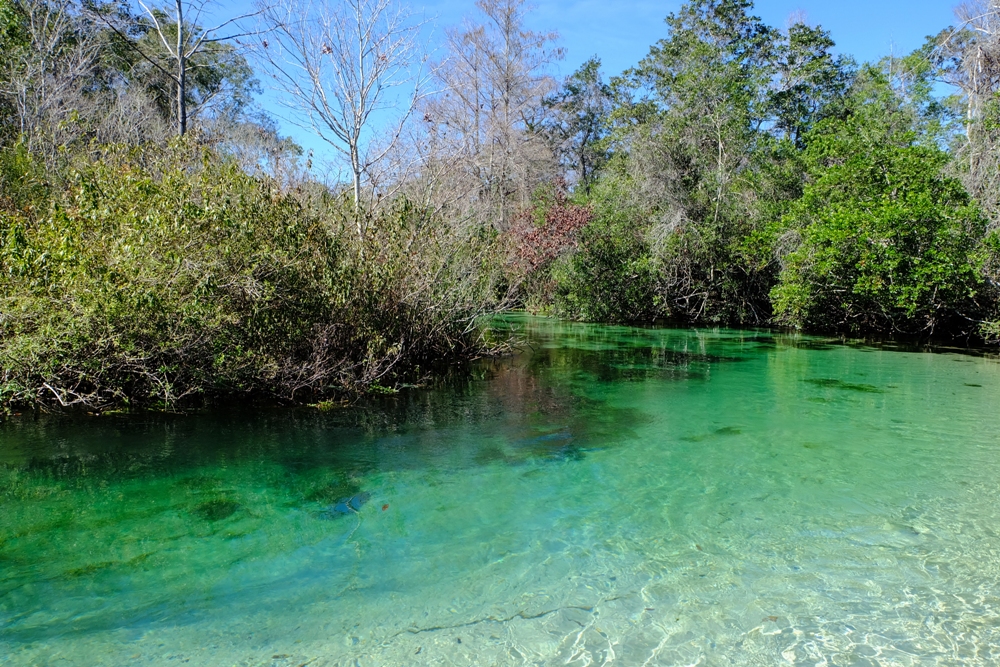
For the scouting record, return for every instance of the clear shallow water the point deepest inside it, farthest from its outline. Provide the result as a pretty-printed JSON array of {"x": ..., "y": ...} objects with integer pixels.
[{"x": 615, "y": 496}]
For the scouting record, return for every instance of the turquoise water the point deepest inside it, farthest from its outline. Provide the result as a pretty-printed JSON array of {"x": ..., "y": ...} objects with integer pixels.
[{"x": 611, "y": 496}]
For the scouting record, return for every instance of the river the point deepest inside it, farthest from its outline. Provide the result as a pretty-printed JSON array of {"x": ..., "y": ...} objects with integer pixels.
[{"x": 610, "y": 495}]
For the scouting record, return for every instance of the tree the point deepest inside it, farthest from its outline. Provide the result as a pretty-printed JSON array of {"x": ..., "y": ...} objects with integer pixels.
[
  {"x": 192, "y": 49},
  {"x": 579, "y": 126},
  {"x": 12, "y": 39},
  {"x": 709, "y": 80},
  {"x": 342, "y": 67},
  {"x": 66, "y": 79},
  {"x": 47, "y": 61},
  {"x": 485, "y": 128},
  {"x": 882, "y": 239},
  {"x": 967, "y": 56},
  {"x": 693, "y": 130},
  {"x": 809, "y": 80}
]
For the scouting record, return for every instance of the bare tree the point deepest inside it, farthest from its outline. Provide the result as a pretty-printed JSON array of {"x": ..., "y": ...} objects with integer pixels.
[
  {"x": 974, "y": 47},
  {"x": 128, "y": 116},
  {"x": 483, "y": 130},
  {"x": 45, "y": 76},
  {"x": 182, "y": 37},
  {"x": 969, "y": 58},
  {"x": 343, "y": 68}
]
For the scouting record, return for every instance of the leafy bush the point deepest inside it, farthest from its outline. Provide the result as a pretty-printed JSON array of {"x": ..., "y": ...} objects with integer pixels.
[
  {"x": 22, "y": 181},
  {"x": 609, "y": 278},
  {"x": 881, "y": 239},
  {"x": 160, "y": 276}
]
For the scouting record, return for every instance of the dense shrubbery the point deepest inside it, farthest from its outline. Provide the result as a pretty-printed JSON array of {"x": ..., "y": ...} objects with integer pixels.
[
  {"x": 151, "y": 277},
  {"x": 610, "y": 278},
  {"x": 883, "y": 240}
]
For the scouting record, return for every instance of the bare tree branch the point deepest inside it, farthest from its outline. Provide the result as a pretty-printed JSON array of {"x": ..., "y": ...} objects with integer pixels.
[
  {"x": 343, "y": 67},
  {"x": 189, "y": 41}
]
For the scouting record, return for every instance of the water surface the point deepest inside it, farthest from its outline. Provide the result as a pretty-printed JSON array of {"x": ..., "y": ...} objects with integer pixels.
[{"x": 613, "y": 495}]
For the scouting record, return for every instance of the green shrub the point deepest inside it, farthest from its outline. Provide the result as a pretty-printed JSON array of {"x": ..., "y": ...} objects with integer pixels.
[
  {"x": 609, "y": 278},
  {"x": 23, "y": 186},
  {"x": 883, "y": 241},
  {"x": 163, "y": 276}
]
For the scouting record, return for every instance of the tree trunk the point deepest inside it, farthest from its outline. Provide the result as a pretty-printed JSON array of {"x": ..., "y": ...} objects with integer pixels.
[
  {"x": 181, "y": 73},
  {"x": 356, "y": 169},
  {"x": 181, "y": 101},
  {"x": 357, "y": 193}
]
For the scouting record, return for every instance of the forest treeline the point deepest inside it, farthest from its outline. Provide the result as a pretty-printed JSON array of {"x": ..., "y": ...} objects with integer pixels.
[{"x": 161, "y": 243}]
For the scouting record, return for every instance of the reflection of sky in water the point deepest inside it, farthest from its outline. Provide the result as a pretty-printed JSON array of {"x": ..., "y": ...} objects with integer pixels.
[{"x": 638, "y": 496}]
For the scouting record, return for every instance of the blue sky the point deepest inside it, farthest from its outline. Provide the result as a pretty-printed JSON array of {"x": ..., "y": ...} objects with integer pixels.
[{"x": 620, "y": 33}]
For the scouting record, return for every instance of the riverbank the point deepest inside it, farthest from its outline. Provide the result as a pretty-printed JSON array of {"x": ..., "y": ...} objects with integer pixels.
[{"x": 136, "y": 278}]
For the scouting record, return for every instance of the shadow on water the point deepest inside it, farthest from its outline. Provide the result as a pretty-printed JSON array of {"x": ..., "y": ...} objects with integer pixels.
[{"x": 537, "y": 404}]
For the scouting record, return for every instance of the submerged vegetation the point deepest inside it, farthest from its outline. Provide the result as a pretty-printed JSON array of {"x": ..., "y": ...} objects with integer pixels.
[{"x": 162, "y": 245}]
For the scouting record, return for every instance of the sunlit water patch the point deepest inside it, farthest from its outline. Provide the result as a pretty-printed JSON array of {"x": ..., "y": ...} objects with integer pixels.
[{"x": 611, "y": 496}]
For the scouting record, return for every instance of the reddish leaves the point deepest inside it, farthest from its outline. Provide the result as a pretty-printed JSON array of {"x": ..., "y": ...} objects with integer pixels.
[{"x": 535, "y": 245}]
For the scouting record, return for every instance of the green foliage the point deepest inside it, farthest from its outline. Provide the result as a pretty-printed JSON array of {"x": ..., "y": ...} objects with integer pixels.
[
  {"x": 579, "y": 128},
  {"x": 609, "y": 278},
  {"x": 882, "y": 239},
  {"x": 707, "y": 83},
  {"x": 691, "y": 150},
  {"x": 809, "y": 80},
  {"x": 738, "y": 174},
  {"x": 164, "y": 276},
  {"x": 708, "y": 128},
  {"x": 758, "y": 178},
  {"x": 22, "y": 180},
  {"x": 11, "y": 28}
]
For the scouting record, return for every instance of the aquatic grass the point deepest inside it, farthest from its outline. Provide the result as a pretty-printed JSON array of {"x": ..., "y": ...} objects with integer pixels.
[
  {"x": 216, "y": 509},
  {"x": 724, "y": 431},
  {"x": 342, "y": 487}
]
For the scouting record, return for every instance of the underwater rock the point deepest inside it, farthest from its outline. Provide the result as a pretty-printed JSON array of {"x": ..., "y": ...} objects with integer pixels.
[
  {"x": 216, "y": 509},
  {"x": 348, "y": 505},
  {"x": 834, "y": 383}
]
